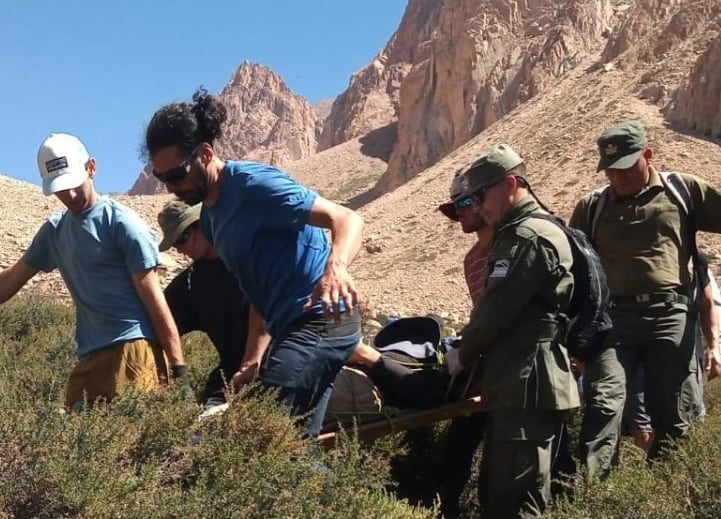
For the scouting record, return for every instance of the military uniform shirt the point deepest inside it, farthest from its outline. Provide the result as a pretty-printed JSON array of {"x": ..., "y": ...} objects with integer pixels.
[
  {"x": 514, "y": 327},
  {"x": 642, "y": 239}
]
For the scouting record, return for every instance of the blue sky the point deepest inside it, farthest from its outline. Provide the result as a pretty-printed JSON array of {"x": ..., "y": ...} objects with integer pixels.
[{"x": 99, "y": 69}]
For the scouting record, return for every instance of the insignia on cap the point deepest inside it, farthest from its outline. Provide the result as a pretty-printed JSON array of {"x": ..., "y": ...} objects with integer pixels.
[
  {"x": 610, "y": 149},
  {"x": 56, "y": 164}
]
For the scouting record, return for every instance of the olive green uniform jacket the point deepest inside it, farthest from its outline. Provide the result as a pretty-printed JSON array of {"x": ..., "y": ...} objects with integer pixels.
[{"x": 515, "y": 327}]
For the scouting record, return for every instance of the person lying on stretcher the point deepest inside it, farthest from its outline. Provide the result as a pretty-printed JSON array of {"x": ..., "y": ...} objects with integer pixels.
[{"x": 405, "y": 364}]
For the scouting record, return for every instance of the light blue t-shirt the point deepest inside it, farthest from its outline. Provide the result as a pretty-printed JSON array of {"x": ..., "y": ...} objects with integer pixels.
[
  {"x": 259, "y": 227},
  {"x": 96, "y": 252}
]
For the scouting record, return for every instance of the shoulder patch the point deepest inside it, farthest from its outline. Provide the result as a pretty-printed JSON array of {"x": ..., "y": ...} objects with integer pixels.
[{"x": 500, "y": 268}]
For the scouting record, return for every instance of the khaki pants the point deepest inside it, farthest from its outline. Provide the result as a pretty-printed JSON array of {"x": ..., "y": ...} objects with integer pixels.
[{"x": 109, "y": 371}]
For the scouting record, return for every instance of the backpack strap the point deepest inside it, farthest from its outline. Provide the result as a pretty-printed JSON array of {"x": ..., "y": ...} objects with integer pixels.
[
  {"x": 594, "y": 209},
  {"x": 678, "y": 188},
  {"x": 680, "y": 192}
]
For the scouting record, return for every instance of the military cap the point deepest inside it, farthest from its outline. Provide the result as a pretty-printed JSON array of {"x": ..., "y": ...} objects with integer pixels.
[
  {"x": 621, "y": 145},
  {"x": 174, "y": 218},
  {"x": 490, "y": 168}
]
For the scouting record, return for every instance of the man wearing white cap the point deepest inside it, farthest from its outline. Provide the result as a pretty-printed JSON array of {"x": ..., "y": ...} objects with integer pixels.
[{"x": 107, "y": 257}]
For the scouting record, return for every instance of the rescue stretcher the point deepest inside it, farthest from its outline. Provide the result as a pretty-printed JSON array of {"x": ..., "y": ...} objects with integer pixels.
[{"x": 461, "y": 397}]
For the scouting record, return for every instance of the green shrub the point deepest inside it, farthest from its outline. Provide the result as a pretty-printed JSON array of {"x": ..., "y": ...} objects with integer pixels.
[
  {"x": 146, "y": 455},
  {"x": 685, "y": 484}
]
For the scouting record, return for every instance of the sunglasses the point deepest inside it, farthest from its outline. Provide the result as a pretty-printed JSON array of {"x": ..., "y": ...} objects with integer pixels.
[
  {"x": 476, "y": 198},
  {"x": 177, "y": 173},
  {"x": 464, "y": 203}
]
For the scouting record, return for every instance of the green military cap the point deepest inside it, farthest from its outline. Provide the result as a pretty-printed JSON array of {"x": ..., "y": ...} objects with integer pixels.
[
  {"x": 174, "y": 218},
  {"x": 490, "y": 168},
  {"x": 621, "y": 145}
]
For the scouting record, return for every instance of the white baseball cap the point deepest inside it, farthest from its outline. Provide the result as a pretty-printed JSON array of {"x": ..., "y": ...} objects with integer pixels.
[{"x": 62, "y": 160}]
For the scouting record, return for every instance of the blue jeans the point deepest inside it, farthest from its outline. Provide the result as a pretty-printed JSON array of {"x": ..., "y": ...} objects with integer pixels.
[{"x": 304, "y": 360}]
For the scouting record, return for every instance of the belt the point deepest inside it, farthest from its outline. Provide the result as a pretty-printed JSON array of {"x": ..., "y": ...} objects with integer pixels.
[{"x": 653, "y": 298}]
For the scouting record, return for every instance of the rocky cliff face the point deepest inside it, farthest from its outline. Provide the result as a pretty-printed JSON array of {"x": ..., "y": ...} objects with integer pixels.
[
  {"x": 660, "y": 40},
  {"x": 480, "y": 62},
  {"x": 372, "y": 98},
  {"x": 266, "y": 122},
  {"x": 455, "y": 67},
  {"x": 696, "y": 104}
]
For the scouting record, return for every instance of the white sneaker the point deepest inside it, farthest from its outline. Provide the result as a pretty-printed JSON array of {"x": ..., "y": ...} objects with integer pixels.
[{"x": 213, "y": 410}]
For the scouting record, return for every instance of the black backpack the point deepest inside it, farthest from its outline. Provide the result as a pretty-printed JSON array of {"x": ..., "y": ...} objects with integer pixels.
[{"x": 587, "y": 321}]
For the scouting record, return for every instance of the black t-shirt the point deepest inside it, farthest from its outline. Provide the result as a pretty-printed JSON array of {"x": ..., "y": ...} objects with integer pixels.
[{"x": 206, "y": 297}]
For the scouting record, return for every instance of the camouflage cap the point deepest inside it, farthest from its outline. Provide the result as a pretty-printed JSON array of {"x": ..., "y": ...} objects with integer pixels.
[
  {"x": 490, "y": 168},
  {"x": 621, "y": 145},
  {"x": 448, "y": 209},
  {"x": 174, "y": 218}
]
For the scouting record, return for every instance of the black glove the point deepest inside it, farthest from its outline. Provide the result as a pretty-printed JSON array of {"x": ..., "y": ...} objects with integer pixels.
[
  {"x": 180, "y": 376},
  {"x": 179, "y": 372}
]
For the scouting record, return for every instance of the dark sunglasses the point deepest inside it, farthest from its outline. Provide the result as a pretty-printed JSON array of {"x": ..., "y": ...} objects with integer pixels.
[
  {"x": 480, "y": 195},
  {"x": 177, "y": 173},
  {"x": 476, "y": 198}
]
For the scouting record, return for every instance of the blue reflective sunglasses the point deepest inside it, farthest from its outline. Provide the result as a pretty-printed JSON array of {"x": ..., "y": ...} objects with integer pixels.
[{"x": 463, "y": 203}]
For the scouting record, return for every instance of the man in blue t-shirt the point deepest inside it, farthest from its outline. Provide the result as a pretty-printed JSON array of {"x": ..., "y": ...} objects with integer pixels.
[
  {"x": 268, "y": 229},
  {"x": 107, "y": 257}
]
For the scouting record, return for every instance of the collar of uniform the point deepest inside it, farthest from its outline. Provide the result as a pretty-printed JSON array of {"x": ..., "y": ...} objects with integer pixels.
[
  {"x": 654, "y": 181},
  {"x": 519, "y": 211}
]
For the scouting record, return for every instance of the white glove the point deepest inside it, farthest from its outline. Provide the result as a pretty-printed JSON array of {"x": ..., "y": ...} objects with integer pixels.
[{"x": 453, "y": 362}]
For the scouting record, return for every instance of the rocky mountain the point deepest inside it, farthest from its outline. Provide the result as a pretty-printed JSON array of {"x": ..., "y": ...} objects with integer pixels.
[
  {"x": 695, "y": 105},
  {"x": 656, "y": 60},
  {"x": 266, "y": 122},
  {"x": 372, "y": 98},
  {"x": 662, "y": 54},
  {"x": 484, "y": 60},
  {"x": 146, "y": 183}
]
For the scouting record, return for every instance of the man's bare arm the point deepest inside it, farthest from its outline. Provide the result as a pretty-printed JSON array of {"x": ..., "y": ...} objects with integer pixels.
[
  {"x": 14, "y": 278},
  {"x": 148, "y": 288},
  {"x": 346, "y": 227},
  {"x": 255, "y": 346},
  {"x": 709, "y": 321}
]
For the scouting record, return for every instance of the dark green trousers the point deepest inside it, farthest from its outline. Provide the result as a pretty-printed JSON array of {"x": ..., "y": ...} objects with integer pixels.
[
  {"x": 661, "y": 339},
  {"x": 518, "y": 453}
]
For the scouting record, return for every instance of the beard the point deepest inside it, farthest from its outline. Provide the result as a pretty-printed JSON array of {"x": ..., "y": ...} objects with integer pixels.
[
  {"x": 200, "y": 187},
  {"x": 473, "y": 226}
]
